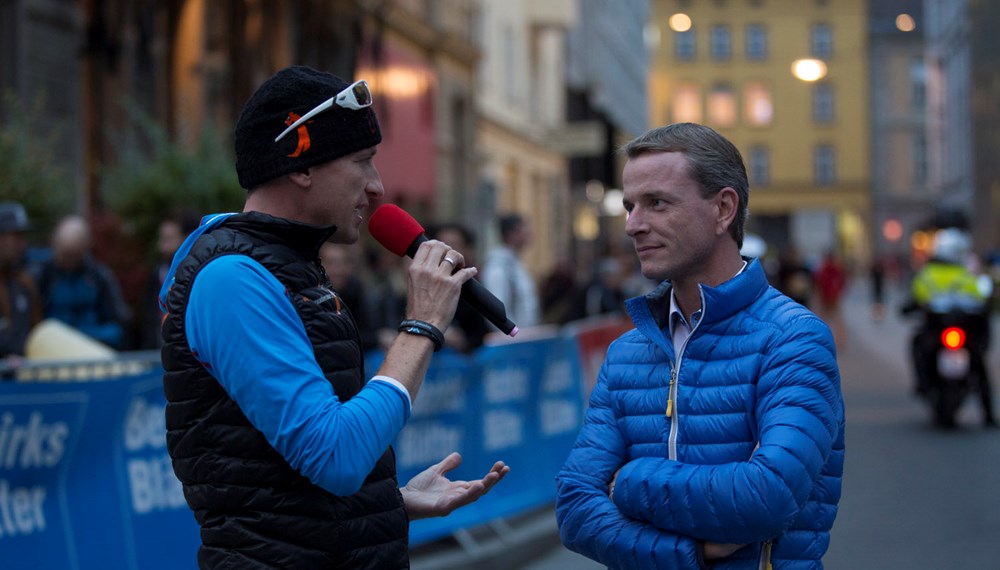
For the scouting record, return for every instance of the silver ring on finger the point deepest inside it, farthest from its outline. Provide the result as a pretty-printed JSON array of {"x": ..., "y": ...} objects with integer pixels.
[{"x": 449, "y": 260}]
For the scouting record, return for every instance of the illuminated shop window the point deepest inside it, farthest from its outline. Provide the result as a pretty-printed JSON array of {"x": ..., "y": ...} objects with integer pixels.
[
  {"x": 757, "y": 104},
  {"x": 722, "y": 106},
  {"x": 686, "y": 104}
]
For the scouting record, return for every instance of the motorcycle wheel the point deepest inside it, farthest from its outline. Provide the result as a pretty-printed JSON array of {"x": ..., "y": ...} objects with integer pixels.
[{"x": 947, "y": 401}]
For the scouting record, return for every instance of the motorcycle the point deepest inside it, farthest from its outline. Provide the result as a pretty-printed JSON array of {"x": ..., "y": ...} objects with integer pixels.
[{"x": 948, "y": 355}]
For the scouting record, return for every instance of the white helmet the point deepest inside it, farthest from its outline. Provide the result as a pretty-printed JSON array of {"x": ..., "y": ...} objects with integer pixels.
[
  {"x": 951, "y": 245},
  {"x": 753, "y": 246}
]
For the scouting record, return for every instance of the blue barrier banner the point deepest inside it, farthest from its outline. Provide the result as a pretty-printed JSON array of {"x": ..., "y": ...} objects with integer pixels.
[
  {"x": 85, "y": 479},
  {"x": 520, "y": 403}
]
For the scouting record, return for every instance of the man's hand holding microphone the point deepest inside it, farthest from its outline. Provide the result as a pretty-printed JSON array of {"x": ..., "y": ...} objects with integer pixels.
[{"x": 436, "y": 279}]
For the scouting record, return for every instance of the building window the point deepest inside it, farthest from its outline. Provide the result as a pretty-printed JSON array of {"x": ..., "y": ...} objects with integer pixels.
[
  {"x": 821, "y": 40},
  {"x": 825, "y": 165},
  {"x": 920, "y": 159},
  {"x": 757, "y": 104},
  {"x": 823, "y": 103},
  {"x": 721, "y": 43},
  {"x": 760, "y": 165},
  {"x": 684, "y": 45},
  {"x": 918, "y": 87},
  {"x": 757, "y": 43},
  {"x": 686, "y": 106},
  {"x": 722, "y": 106}
]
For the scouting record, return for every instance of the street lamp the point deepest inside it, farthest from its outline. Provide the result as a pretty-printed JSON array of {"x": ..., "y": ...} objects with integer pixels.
[
  {"x": 809, "y": 69},
  {"x": 679, "y": 22},
  {"x": 905, "y": 23}
]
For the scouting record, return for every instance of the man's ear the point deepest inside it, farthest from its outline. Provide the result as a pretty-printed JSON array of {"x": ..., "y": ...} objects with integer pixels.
[
  {"x": 301, "y": 178},
  {"x": 728, "y": 202}
]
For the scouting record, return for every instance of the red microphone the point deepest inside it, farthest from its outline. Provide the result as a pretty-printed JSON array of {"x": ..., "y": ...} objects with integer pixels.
[{"x": 398, "y": 232}]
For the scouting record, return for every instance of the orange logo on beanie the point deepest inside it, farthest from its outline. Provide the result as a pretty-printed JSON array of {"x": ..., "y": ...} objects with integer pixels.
[{"x": 301, "y": 131}]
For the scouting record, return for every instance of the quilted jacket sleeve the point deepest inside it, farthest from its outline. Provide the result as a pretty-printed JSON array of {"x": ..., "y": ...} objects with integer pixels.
[
  {"x": 799, "y": 413},
  {"x": 589, "y": 523}
]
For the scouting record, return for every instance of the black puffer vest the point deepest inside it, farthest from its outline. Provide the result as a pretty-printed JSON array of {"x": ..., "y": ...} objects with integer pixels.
[{"x": 255, "y": 511}]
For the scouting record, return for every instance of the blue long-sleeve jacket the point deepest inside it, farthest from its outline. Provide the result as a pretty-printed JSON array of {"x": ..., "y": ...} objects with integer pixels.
[
  {"x": 245, "y": 331},
  {"x": 757, "y": 370}
]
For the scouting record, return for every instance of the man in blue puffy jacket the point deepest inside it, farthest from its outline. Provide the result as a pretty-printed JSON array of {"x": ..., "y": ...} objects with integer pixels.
[{"x": 715, "y": 434}]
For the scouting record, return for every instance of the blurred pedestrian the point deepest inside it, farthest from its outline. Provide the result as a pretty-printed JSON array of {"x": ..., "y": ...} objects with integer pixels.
[
  {"x": 877, "y": 275},
  {"x": 506, "y": 276},
  {"x": 715, "y": 433},
  {"x": 634, "y": 283},
  {"x": 20, "y": 303},
  {"x": 604, "y": 294},
  {"x": 467, "y": 331},
  {"x": 340, "y": 264},
  {"x": 281, "y": 443},
  {"x": 79, "y": 290},
  {"x": 385, "y": 294},
  {"x": 560, "y": 294},
  {"x": 795, "y": 279},
  {"x": 169, "y": 235},
  {"x": 831, "y": 282}
]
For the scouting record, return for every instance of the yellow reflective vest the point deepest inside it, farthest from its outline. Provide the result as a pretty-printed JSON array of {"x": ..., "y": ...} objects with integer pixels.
[{"x": 937, "y": 280}]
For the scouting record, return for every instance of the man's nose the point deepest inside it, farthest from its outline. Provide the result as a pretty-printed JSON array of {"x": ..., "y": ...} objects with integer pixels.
[
  {"x": 633, "y": 223},
  {"x": 374, "y": 186}
]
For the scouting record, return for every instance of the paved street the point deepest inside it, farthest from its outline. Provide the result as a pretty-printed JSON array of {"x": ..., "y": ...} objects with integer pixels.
[{"x": 914, "y": 497}]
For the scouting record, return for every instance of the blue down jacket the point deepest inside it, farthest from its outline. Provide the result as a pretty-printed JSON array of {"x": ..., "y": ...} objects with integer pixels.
[{"x": 758, "y": 369}]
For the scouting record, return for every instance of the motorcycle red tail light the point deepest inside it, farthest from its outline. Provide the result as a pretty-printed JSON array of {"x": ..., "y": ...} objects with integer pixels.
[{"x": 953, "y": 338}]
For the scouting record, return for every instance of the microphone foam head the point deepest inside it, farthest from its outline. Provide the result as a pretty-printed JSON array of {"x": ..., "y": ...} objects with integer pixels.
[{"x": 392, "y": 227}]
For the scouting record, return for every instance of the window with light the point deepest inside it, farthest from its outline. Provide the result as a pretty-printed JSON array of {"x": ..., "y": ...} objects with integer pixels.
[
  {"x": 757, "y": 105},
  {"x": 722, "y": 106},
  {"x": 686, "y": 104}
]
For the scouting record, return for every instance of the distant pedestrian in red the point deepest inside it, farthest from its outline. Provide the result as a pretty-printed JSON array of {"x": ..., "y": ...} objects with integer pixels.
[{"x": 831, "y": 280}]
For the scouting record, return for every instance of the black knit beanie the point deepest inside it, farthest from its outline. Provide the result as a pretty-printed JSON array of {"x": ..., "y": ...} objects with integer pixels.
[{"x": 279, "y": 101}]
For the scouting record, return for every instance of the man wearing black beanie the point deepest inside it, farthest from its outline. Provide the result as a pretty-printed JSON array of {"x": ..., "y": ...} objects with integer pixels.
[{"x": 282, "y": 446}]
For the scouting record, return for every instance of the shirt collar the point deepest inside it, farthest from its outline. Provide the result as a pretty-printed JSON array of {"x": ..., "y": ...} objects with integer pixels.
[{"x": 677, "y": 317}]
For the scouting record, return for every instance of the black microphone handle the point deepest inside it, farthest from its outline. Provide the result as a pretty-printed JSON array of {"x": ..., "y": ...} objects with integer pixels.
[
  {"x": 486, "y": 303},
  {"x": 477, "y": 296}
]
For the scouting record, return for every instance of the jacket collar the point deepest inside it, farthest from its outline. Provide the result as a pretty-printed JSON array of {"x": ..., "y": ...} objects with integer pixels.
[
  {"x": 303, "y": 238},
  {"x": 651, "y": 312}
]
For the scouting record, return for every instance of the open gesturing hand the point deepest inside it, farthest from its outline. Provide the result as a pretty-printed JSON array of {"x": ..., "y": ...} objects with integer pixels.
[{"x": 431, "y": 494}]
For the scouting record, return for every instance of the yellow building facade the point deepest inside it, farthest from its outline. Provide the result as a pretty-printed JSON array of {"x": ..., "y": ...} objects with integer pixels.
[{"x": 729, "y": 64}]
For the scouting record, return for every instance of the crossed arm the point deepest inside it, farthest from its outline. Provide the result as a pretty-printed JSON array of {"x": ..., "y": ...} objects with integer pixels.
[
  {"x": 669, "y": 505},
  {"x": 589, "y": 522}
]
